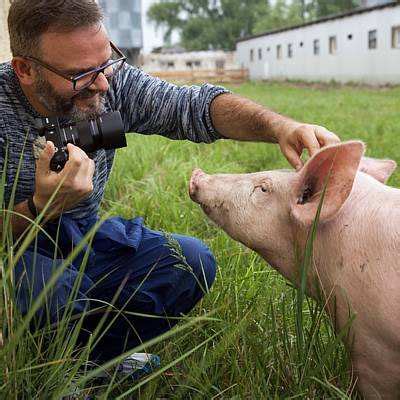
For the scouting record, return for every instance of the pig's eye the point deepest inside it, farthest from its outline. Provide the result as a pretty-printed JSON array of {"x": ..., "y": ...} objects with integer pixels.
[{"x": 264, "y": 187}]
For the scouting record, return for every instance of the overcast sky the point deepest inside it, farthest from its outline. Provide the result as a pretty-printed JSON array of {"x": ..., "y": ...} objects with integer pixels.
[{"x": 151, "y": 37}]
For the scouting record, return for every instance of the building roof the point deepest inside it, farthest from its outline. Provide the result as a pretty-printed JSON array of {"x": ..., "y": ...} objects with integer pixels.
[{"x": 356, "y": 11}]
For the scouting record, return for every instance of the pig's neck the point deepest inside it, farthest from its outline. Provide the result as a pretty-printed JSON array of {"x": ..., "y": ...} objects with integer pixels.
[
  {"x": 356, "y": 254},
  {"x": 360, "y": 242}
]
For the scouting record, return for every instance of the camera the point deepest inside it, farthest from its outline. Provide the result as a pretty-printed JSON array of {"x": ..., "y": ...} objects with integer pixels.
[{"x": 104, "y": 132}]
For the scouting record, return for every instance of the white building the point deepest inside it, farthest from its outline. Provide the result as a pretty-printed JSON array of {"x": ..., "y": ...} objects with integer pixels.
[
  {"x": 362, "y": 45},
  {"x": 189, "y": 61}
]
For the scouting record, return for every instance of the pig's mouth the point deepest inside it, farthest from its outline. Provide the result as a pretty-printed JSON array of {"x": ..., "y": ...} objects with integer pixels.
[{"x": 206, "y": 209}]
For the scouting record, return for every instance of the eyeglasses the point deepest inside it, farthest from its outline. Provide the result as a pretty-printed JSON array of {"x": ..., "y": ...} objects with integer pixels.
[{"x": 85, "y": 79}]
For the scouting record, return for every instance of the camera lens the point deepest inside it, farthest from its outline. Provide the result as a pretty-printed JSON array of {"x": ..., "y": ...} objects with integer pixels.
[
  {"x": 105, "y": 132},
  {"x": 111, "y": 129}
]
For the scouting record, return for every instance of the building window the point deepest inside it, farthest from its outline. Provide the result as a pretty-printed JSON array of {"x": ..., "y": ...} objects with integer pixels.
[
  {"x": 197, "y": 64},
  {"x": 290, "y": 50},
  {"x": 316, "y": 47},
  {"x": 170, "y": 64},
  {"x": 301, "y": 44},
  {"x": 189, "y": 64},
  {"x": 260, "y": 54},
  {"x": 373, "y": 39},
  {"x": 251, "y": 55},
  {"x": 279, "y": 52},
  {"x": 396, "y": 37},
  {"x": 332, "y": 45},
  {"x": 268, "y": 49},
  {"x": 350, "y": 36}
]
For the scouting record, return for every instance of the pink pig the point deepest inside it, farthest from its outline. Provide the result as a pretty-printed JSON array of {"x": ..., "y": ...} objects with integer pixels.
[{"x": 356, "y": 258}]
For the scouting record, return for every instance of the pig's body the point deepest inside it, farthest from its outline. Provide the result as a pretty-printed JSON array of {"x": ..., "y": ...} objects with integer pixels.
[
  {"x": 356, "y": 253},
  {"x": 357, "y": 259}
]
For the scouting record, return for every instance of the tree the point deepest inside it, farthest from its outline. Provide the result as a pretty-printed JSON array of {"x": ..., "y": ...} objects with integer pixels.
[
  {"x": 166, "y": 14},
  {"x": 205, "y": 24},
  {"x": 217, "y": 24},
  {"x": 322, "y": 8},
  {"x": 282, "y": 14}
]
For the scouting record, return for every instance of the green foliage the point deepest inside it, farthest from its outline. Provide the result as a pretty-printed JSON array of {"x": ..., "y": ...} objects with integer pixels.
[
  {"x": 166, "y": 14},
  {"x": 321, "y": 8},
  {"x": 278, "y": 16},
  {"x": 205, "y": 25}
]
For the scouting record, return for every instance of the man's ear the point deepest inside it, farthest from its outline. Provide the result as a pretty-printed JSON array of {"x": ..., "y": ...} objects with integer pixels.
[
  {"x": 334, "y": 166},
  {"x": 381, "y": 170},
  {"x": 24, "y": 71}
]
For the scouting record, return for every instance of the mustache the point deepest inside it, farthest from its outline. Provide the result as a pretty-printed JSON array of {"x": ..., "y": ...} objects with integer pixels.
[{"x": 88, "y": 94}]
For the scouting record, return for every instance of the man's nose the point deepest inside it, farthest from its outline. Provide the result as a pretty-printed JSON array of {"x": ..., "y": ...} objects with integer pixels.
[{"x": 100, "y": 84}]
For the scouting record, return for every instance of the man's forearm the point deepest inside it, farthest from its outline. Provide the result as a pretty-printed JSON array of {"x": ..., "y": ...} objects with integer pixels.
[
  {"x": 18, "y": 223},
  {"x": 236, "y": 117}
]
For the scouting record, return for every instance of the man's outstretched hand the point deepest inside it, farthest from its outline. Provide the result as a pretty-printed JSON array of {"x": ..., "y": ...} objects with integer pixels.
[
  {"x": 295, "y": 137},
  {"x": 236, "y": 117}
]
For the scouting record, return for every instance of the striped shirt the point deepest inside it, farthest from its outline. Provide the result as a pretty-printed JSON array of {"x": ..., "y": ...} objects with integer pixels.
[{"x": 147, "y": 105}]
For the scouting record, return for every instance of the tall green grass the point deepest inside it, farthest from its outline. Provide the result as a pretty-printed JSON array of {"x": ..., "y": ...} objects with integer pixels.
[{"x": 242, "y": 340}]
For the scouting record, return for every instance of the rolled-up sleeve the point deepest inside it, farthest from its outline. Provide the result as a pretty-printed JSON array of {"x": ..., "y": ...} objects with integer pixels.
[{"x": 150, "y": 105}]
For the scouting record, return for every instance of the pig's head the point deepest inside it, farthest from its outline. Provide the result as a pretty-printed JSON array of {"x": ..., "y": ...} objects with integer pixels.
[{"x": 272, "y": 211}]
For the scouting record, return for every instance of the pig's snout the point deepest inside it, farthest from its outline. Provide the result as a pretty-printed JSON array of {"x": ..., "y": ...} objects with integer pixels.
[{"x": 197, "y": 176}]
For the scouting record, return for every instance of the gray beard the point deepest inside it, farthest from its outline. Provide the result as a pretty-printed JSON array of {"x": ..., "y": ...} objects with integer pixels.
[{"x": 66, "y": 107}]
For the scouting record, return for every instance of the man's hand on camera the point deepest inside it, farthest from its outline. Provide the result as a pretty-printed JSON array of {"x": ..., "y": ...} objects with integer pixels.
[{"x": 73, "y": 184}]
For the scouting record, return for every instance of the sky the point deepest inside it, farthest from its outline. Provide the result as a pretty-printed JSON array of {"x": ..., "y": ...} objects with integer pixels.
[{"x": 151, "y": 37}]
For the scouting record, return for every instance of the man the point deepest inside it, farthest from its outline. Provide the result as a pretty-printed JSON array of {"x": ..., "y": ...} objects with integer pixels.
[{"x": 64, "y": 65}]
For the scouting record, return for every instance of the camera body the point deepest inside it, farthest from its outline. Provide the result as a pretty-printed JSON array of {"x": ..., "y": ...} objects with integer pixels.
[{"x": 105, "y": 132}]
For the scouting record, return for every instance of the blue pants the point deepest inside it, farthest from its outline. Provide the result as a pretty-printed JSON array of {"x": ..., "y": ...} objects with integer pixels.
[{"x": 137, "y": 269}]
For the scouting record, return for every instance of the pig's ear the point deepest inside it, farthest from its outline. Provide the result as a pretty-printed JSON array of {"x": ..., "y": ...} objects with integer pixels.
[
  {"x": 381, "y": 170},
  {"x": 336, "y": 166}
]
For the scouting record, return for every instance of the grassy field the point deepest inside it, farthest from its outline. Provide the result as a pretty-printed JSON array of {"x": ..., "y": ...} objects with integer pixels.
[{"x": 246, "y": 346}]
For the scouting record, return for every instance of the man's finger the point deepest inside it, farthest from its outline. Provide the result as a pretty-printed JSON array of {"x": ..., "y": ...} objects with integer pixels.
[
  {"x": 326, "y": 137},
  {"x": 293, "y": 158},
  {"x": 76, "y": 156},
  {"x": 76, "y": 152},
  {"x": 310, "y": 141},
  {"x": 43, "y": 162},
  {"x": 85, "y": 173}
]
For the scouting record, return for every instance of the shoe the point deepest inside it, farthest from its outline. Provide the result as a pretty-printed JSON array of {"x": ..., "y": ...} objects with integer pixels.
[
  {"x": 139, "y": 364},
  {"x": 135, "y": 366}
]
